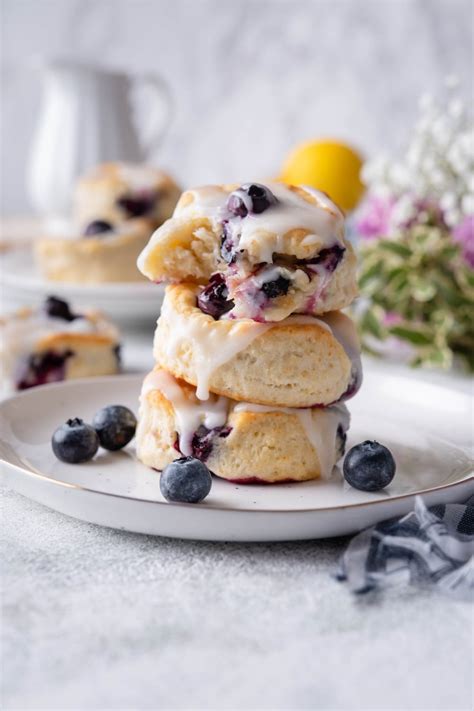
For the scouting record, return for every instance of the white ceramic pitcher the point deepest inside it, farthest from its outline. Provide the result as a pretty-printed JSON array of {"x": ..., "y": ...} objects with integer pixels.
[{"x": 87, "y": 117}]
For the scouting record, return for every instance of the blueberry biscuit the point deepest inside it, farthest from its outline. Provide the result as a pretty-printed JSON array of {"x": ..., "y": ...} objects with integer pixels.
[
  {"x": 241, "y": 442},
  {"x": 273, "y": 249},
  {"x": 116, "y": 192},
  {"x": 302, "y": 361},
  {"x": 101, "y": 252},
  {"x": 51, "y": 343}
]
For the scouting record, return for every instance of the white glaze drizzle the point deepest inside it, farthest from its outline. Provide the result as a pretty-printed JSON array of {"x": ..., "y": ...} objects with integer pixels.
[
  {"x": 263, "y": 234},
  {"x": 139, "y": 177},
  {"x": 189, "y": 412},
  {"x": 210, "y": 350},
  {"x": 343, "y": 330},
  {"x": 319, "y": 424}
]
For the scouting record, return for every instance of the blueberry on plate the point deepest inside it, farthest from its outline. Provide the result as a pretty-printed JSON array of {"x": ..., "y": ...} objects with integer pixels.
[
  {"x": 186, "y": 480},
  {"x": 115, "y": 426},
  {"x": 369, "y": 466},
  {"x": 75, "y": 442},
  {"x": 97, "y": 227}
]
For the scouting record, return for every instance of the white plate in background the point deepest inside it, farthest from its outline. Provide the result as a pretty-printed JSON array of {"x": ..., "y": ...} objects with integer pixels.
[
  {"x": 123, "y": 301},
  {"x": 426, "y": 426}
]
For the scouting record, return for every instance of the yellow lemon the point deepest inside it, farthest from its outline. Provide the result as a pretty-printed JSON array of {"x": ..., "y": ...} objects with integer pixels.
[{"x": 329, "y": 166}]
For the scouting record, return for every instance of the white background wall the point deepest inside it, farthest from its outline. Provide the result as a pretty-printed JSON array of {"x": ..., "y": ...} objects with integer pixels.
[{"x": 250, "y": 77}]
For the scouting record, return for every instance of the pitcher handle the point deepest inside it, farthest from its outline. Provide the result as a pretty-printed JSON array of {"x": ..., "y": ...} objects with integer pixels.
[{"x": 161, "y": 113}]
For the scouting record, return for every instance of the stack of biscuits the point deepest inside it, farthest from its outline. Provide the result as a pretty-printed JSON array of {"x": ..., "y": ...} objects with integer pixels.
[{"x": 254, "y": 357}]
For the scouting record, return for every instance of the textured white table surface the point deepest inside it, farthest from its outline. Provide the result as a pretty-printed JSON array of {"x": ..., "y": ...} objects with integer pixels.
[{"x": 101, "y": 619}]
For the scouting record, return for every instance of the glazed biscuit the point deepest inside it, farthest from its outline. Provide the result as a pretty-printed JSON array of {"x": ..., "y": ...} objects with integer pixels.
[
  {"x": 240, "y": 442},
  {"x": 37, "y": 347},
  {"x": 302, "y": 361},
  {"x": 280, "y": 249},
  {"x": 116, "y": 192},
  {"x": 108, "y": 256}
]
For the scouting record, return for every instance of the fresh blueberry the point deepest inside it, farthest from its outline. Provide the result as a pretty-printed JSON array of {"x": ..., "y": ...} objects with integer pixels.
[
  {"x": 369, "y": 466},
  {"x": 187, "y": 480},
  {"x": 115, "y": 426},
  {"x": 137, "y": 205},
  {"x": 277, "y": 287},
  {"x": 75, "y": 442},
  {"x": 57, "y": 308},
  {"x": 213, "y": 300},
  {"x": 251, "y": 197},
  {"x": 97, "y": 227}
]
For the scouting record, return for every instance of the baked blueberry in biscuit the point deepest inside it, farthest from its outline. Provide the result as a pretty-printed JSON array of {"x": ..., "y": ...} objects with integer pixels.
[
  {"x": 279, "y": 249},
  {"x": 53, "y": 342},
  {"x": 242, "y": 442},
  {"x": 301, "y": 361}
]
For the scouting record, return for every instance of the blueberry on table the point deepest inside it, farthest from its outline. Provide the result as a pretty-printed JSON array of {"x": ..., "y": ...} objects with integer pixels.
[
  {"x": 97, "y": 227},
  {"x": 186, "y": 480},
  {"x": 75, "y": 442},
  {"x": 115, "y": 426},
  {"x": 369, "y": 466}
]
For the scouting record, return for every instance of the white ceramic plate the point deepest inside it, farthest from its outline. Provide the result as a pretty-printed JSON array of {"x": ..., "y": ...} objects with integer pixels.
[
  {"x": 122, "y": 301},
  {"x": 426, "y": 427}
]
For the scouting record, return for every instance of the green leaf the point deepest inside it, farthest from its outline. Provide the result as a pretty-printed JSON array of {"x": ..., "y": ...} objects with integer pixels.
[
  {"x": 396, "y": 248},
  {"x": 373, "y": 271},
  {"x": 441, "y": 358},
  {"x": 371, "y": 324},
  {"x": 411, "y": 334},
  {"x": 423, "y": 290}
]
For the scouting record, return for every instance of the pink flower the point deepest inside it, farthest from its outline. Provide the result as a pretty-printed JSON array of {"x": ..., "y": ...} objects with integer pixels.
[
  {"x": 374, "y": 217},
  {"x": 463, "y": 234},
  {"x": 391, "y": 318}
]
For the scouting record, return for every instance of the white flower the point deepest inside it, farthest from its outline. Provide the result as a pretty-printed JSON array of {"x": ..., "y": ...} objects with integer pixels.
[
  {"x": 441, "y": 132},
  {"x": 400, "y": 175},
  {"x": 438, "y": 163},
  {"x": 448, "y": 201},
  {"x": 467, "y": 204},
  {"x": 414, "y": 154},
  {"x": 404, "y": 210},
  {"x": 456, "y": 108},
  {"x": 375, "y": 170},
  {"x": 438, "y": 178},
  {"x": 457, "y": 158},
  {"x": 452, "y": 217}
]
